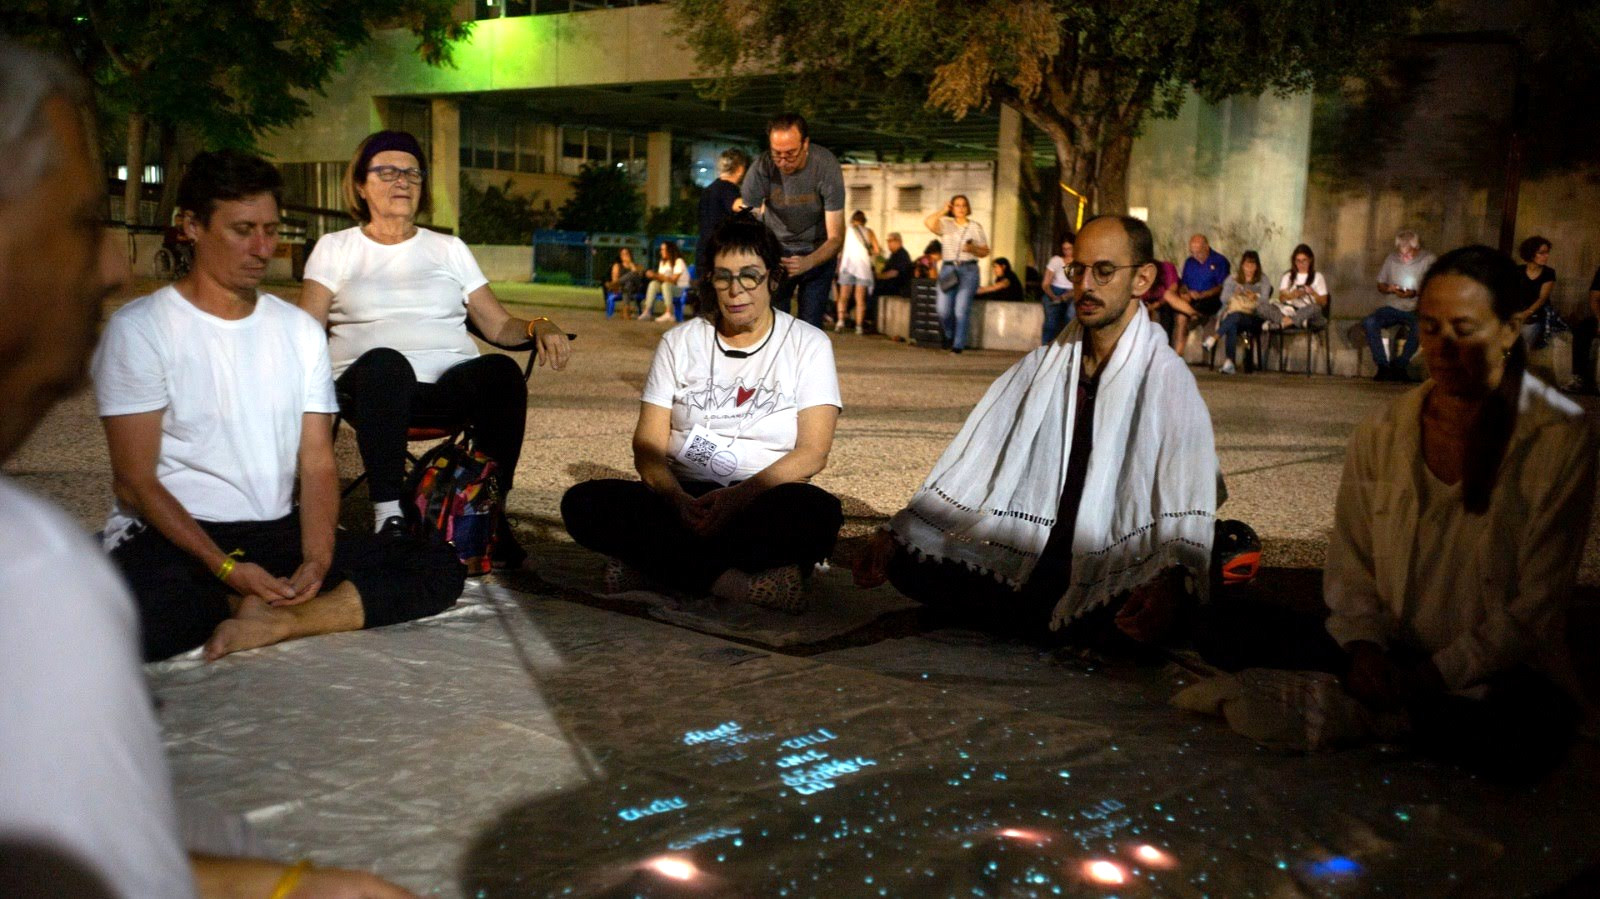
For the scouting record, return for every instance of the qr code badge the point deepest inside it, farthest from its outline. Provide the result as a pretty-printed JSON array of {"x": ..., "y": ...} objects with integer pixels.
[{"x": 699, "y": 451}]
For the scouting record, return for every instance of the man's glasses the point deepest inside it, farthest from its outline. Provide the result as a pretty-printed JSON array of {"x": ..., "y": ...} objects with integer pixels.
[
  {"x": 387, "y": 173},
  {"x": 748, "y": 278},
  {"x": 1104, "y": 271},
  {"x": 786, "y": 155}
]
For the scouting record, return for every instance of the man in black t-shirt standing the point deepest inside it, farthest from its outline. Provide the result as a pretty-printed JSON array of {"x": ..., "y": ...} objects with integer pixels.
[{"x": 798, "y": 190}]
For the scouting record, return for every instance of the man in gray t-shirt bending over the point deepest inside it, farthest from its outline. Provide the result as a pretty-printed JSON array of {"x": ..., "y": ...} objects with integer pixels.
[
  {"x": 1400, "y": 279},
  {"x": 798, "y": 191}
]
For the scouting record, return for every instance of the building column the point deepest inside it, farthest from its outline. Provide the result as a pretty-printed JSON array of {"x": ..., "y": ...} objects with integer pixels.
[
  {"x": 1010, "y": 226},
  {"x": 444, "y": 163},
  {"x": 658, "y": 170}
]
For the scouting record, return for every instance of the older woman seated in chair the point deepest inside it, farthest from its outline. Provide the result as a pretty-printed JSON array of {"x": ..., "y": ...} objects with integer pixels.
[{"x": 738, "y": 415}]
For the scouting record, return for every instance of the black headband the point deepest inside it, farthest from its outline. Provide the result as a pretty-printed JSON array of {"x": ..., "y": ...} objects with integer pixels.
[{"x": 389, "y": 140}]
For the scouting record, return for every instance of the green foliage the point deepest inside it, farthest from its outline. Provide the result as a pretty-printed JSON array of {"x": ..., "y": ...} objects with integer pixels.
[
  {"x": 682, "y": 217},
  {"x": 1085, "y": 72},
  {"x": 494, "y": 215},
  {"x": 227, "y": 70},
  {"x": 604, "y": 199}
]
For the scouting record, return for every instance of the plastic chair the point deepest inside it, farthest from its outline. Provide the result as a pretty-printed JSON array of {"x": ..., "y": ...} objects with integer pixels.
[{"x": 446, "y": 429}]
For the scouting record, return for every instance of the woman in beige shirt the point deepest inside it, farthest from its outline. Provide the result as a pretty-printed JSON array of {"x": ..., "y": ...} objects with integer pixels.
[{"x": 1460, "y": 522}]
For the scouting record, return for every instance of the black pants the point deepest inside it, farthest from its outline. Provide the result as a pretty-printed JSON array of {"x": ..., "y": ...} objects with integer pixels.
[
  {"x": 181, "y": 603},
  {"x": 1583, "y": 334},
  {"x": 1518, "y": 732},
  {"x": 969, "y": 599},
  {"x": 790, "y": 524},
  {"x": 380, "y": 396}
]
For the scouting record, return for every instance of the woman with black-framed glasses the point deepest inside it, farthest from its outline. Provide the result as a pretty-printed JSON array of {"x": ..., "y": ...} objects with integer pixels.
[
  {"x": 738, "y": 415},
  {"x": 396, "y": 299}
]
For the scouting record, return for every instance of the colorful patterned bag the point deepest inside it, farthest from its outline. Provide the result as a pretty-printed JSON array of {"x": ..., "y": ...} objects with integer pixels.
[{"x": 453, "y": 492}]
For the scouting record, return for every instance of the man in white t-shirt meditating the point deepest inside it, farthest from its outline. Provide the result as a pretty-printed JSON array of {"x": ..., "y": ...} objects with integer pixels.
[{"x": 214, "y": 397}]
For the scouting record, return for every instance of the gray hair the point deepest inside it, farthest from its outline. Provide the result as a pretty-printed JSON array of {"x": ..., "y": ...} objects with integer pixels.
[
  {"x": 894, "y": 235},
  {"x": 732, "y": 160},
  {"x": 1407, "y": 238},
  {"x": 29, "y": 79}
]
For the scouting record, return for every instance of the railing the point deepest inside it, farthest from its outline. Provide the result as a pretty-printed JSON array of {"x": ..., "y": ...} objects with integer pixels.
[{"x": 584, "y": 258}]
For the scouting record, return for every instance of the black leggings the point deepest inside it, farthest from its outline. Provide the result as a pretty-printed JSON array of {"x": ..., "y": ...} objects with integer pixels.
[
  {"x": 1518, "y": 732},
  {"x": 381, "y": 398},
  {"x": 790, "y": 524},
  {"x": 181, "y": 603},
  {"x": 977, "y": 601}
]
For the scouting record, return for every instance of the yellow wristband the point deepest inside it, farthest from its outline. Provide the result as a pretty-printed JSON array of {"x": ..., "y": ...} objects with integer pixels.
[
  {"x": 290, "y": 879},
  {"x": 542, "y": 318},
  {"x": 226, "y": 568}
]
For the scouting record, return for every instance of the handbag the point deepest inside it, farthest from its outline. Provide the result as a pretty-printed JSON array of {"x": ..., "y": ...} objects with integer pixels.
[
  {"x": 453, "y": 493},
  {"x": 949, "y": 276}
]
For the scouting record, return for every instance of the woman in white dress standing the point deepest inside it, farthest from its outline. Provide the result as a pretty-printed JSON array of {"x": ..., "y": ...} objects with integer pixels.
[{"x": 855, "y": 271}]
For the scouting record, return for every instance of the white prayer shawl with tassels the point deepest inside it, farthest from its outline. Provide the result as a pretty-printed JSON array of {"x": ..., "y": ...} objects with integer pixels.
[{"x": 1150, "y": 497}]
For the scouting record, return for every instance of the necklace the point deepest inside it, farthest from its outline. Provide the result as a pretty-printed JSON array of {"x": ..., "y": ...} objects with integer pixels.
[{"x": 746, "y": 354}]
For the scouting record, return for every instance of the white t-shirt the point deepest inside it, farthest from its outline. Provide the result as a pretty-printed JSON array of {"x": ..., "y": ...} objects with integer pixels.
[
  {"x": 234, "y": 393},
  {"x": 1056, "y": 268},
  {"x": 757, "y": 399},
  {"x": 1319, "y": 286},
  {"x": 676, "y": 267},
  {"x": 410, "y": 296},
  {"x": 81, "y": 763}
]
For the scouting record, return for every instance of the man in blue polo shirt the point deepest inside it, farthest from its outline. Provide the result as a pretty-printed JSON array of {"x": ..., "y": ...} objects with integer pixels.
[{"x": 1204, "y": 273}]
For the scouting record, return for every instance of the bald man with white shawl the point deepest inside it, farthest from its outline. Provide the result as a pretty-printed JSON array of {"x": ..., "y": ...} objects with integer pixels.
[{"x": 976, "y": 532}]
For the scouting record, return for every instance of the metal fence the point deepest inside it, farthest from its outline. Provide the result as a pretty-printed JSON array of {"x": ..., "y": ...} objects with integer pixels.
[{"x": 584, "y": 258}]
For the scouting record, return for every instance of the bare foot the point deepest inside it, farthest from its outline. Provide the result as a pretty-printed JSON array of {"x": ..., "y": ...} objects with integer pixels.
[{"x": 254, "y": 624}]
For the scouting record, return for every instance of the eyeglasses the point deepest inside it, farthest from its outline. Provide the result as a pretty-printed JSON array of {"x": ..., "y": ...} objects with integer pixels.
[
  {"x": 749, "y": 278},
  {"x": 387, "y": 173},
  {"x": 1104, "y": 271},
  {"x": 786, "y": 155}
]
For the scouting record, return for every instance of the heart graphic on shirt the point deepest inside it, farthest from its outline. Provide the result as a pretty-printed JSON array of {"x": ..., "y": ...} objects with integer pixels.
[{"x": 745, "y": 393}]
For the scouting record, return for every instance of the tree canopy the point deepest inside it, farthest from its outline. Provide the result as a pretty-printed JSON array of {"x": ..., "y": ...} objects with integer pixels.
[
  {"x": 228, "y": 71},
  {"x": 604, "y": 198},
  {"x": 1087, "y": 73}
]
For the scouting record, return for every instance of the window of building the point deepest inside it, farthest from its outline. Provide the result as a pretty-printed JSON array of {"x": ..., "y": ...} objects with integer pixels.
[
  {"x": 908, "y": 198},
  {"x": 860, "y": 197}
]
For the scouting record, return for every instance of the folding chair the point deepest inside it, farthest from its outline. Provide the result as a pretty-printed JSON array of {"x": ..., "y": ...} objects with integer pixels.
[
  {"x": 1325, "y": 330},
  {"x": 443, "y": 430}
]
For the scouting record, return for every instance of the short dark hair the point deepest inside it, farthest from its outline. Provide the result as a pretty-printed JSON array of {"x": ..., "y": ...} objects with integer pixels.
[
  {"x": 740, "y": 231},
  {"x": 1530, "y": 247},
  {"x": 783, "y": 121},
  {"x": 1141, "y": 243},
  {"x": 218, "y": 175}
]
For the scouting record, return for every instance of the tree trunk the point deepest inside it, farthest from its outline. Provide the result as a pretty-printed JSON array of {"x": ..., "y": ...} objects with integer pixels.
[
  {"x": 137, "y": 125},
  {"x": 1112, "y": 184},
  {"x": 170, "y": 157}
]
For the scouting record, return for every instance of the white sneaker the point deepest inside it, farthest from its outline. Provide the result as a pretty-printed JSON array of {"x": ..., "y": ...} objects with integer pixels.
[
  {"x": 1208, "y": 343},
  {"x": 1227, "y": 367}
]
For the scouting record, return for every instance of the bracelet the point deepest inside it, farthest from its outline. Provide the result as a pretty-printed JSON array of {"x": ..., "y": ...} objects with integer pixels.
[
  {"x": 542, "y": 318},
  {"x": 226, "y": 568},
  {"x": 290, "y": 879}
]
